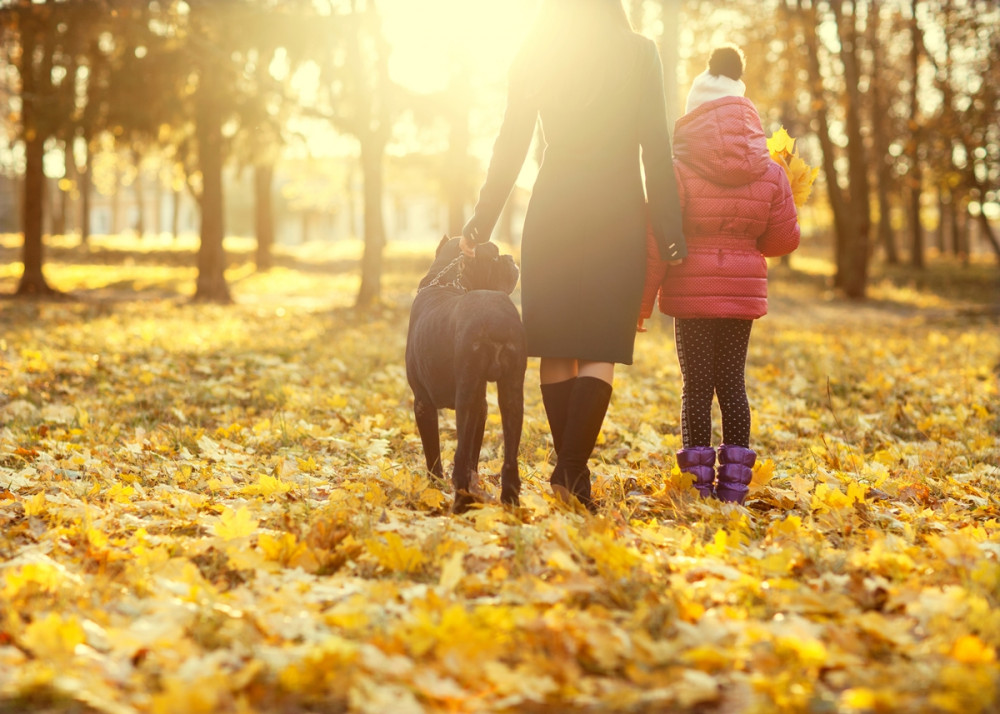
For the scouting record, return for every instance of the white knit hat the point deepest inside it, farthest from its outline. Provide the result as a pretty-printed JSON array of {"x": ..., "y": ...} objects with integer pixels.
[{"x": 707, "y": 87}]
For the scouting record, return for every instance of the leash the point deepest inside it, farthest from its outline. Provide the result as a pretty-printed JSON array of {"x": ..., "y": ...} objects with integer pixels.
[{"x": 456, "y": 282}]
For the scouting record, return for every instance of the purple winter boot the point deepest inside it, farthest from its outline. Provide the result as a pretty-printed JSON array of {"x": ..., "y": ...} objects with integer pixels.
[
  {"x": 735, "y": 472},
  {"x": 699, "y": 461}
]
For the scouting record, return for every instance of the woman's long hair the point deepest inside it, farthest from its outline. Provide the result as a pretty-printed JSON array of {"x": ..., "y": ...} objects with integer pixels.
[{"x": 568, "y": 48}]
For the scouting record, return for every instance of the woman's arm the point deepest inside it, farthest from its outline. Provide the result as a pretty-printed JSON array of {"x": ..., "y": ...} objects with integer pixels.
[
  {"x": 657, "y": 161},
  {"x": 509, "y": 152}
]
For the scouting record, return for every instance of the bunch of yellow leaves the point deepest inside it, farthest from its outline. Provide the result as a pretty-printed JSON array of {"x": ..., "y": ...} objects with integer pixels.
[{"x": 800, "y": 174}]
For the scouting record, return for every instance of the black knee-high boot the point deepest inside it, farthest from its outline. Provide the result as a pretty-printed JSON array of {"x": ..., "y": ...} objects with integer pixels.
[
  {"x": 555, "y": 399},
  {"x": 587, "y": 407}
]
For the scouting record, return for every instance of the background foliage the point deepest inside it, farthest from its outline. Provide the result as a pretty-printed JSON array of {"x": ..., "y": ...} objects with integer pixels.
[{"x": 896, "y": 101}]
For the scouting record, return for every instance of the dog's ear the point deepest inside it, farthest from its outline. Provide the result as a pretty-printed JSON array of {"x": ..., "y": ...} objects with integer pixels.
[
  {"x": 507, "y": 274},
  {"x": 444, "y": 241}
]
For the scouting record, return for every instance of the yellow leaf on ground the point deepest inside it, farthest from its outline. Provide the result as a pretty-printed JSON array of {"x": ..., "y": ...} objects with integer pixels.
[
  {"x": 36, "y": 505},
  {"x": 786, "y": 528},
  {"x": 393, "y": 554},
  {"x": 47, "y": 576},
  {"x": 266, "y": 486},
  {"x": 54, "y": 636},
  {"x": 763, "y": 471},
  {"x": 235, "y": 524},
  {"x": 452, "y": 572},
  {"x": 969, "y": 649},
  {"x": 432, "y": 498}
]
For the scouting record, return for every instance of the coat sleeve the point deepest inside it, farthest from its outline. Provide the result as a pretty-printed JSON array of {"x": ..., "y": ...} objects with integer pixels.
[
  {"x": 509, "y": 152},
  {"x": 657, "y": 161},
  {"x": 656, "y": 270},
  {"x": 781, "y": 236}
]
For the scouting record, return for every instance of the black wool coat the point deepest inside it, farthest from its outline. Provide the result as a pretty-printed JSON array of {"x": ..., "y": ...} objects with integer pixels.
[{"x": 583, "y": 249}]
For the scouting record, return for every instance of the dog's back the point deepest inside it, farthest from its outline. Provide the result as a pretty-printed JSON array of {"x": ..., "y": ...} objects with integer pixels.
[{"x": 495, "y": 345}]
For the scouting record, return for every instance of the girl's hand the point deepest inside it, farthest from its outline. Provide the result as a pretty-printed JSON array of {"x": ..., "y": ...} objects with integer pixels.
[
  {"x": 639, "y": 327},
  {"x": 675, "y": 262}
]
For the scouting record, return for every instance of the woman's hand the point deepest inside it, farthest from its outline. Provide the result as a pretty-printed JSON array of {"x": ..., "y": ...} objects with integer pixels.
[
  {"x": 675, "y": 262},
  {"x": 467, "y": 246}
]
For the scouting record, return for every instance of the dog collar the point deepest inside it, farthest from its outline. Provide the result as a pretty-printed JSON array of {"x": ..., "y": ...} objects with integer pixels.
[{"x": 455, "y": 282}]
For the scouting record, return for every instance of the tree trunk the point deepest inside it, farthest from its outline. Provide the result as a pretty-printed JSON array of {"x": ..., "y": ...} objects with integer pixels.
[
  {"x": 959, "y": 233},
  {"x": 880, "y": 148},
  {"x": 915, "y": 179},
  {"x": 33, "y": 253},
  {"x": 32, "y": 281},
  {"x": 352, "y": 199},
  {"x": 856, "y": 241},
  {"x": 116, "y": 205},
  {"x": 954, "y": 230},
  {"x": 158, "y": 202},
  {"x": 371, "y": 262},
  {"x": 138, "y": 187},
  {"x": 372, "y": 130},
  {"x": 211, "y": 282},
  {"x": 61, "y": 196},
  {"x": 988, "y": 232},
  {"x": 175, "y": 214},
  {"x": 835, "y": 195},
  {"x": 72, "y": 192},
  {"x": 264, "y": 215},
  {"x": 57, "y": 208},
  {"x": 943, "y": 243},
  {"x": 86, "y": 190}
]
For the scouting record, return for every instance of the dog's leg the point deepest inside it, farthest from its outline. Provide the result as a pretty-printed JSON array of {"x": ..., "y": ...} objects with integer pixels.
[
  {"x": 426, "y": 417},
  {"x": 470, "y": 421},
  {"x": 510, "y": 397},
  {"x": 477, "y": 444}
]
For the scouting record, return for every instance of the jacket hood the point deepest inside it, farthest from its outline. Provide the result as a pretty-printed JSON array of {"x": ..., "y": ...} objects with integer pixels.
[
  {"x": 708, "y": 87},
  {"x": 723, "y": 142}
]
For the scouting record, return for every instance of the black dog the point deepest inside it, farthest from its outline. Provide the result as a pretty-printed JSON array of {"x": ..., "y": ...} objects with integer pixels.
[{"x": 464, "y": 332}]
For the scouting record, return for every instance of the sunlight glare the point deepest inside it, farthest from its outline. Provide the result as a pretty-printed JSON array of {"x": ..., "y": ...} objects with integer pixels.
[{"x": 428, "y": 37}]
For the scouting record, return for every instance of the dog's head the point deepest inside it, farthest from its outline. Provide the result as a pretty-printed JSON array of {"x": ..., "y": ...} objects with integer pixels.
[{"x": 487, "y": 271}]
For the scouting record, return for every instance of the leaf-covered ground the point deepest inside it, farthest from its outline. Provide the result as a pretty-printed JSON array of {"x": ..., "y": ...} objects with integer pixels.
[{"x": 223, "y": 509}]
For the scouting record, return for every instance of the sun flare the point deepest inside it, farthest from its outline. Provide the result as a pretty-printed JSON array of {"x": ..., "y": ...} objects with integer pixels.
[{"x": 429, "y": 37}]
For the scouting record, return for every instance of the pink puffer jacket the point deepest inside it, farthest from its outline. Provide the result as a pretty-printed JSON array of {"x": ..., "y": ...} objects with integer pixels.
[{"x": 737, "y": 208}]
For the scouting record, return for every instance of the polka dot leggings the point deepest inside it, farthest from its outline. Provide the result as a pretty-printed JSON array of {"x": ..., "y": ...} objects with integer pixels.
[{"x": 712, "y": 355}]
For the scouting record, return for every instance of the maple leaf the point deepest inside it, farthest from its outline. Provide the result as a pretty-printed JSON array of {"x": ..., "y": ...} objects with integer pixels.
[
  {"x": 235, "y": 524},
  {"x": 287, "y": 550},
  {"x": 780, "y": 143},
  {"x": 800, "y": 175},
  {"x": 394, "y": 555},
  {"x": 266, "y": 486}
]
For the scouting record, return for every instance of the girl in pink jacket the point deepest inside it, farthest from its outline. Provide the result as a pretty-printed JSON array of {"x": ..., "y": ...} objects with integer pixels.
[{"x": 737, "y": 209}]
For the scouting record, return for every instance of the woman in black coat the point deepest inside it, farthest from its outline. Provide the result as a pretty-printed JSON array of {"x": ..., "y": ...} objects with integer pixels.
[{"x": 597, "y": 88}]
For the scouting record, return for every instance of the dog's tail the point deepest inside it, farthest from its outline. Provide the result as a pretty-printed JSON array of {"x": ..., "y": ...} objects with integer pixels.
[
  {"x": 501, "y": 355},
  {"x": 496, "y": 359}
]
